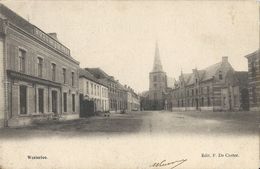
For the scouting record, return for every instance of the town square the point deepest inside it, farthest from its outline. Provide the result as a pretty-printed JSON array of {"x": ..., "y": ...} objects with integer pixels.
[{"x": 131, "y": 85}]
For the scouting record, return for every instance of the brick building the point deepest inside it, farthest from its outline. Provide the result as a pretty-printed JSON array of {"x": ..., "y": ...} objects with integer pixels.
[
  {"x": 94, "y": 90},
  {"x": 38, "y": 77},
  {"x": 217, "y": 87},
  {"x": 254, "y": 80}
]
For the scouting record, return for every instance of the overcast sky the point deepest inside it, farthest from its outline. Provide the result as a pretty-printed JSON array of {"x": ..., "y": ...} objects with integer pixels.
[{"x": 119, "y": 37}]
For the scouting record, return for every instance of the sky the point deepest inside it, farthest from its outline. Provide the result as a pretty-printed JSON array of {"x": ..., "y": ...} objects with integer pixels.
[{"x": 120, "y": 37}]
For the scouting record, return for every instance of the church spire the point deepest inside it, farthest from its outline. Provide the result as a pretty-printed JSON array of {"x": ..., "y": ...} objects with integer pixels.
[{"x": 157, "y": 65}]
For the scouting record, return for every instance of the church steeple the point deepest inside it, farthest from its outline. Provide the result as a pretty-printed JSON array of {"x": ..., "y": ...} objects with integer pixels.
[{"x": 157, "y": 65}]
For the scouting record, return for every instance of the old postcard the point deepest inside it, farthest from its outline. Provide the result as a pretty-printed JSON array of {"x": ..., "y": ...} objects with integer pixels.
[{"x": 129, "y": 84}]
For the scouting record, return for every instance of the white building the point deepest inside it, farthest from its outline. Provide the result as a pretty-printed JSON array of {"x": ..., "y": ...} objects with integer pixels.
[{"x": 94, "y": 89}]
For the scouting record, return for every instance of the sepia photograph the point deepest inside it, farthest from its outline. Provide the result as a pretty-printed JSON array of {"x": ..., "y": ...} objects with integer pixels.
[{"x": 129, "y": 84}]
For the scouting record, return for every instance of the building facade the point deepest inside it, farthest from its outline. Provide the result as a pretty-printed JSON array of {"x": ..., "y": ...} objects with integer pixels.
[
  {"x": 94, "y": 90},
  {"x": 117, "y": 94},
  {"x": 133, "y": 100},
  {"x": 216, "y": 87},
  {"x": 38, "y": 75},
  {"x": 254, "y": 80}
]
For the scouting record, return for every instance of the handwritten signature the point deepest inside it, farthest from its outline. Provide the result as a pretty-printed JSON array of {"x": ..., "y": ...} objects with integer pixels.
[{"x": 172, "y": 164}]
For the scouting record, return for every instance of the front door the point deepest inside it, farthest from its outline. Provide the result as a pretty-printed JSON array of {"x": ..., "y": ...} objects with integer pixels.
[
  {"x": 54, "y": 101},
  {"x": 23, "y": 100},
  {"x": 197, "y": 104}
]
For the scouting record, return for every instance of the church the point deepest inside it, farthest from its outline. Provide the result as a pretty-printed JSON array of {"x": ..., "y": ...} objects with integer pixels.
[{"x": 154, "y": 98}]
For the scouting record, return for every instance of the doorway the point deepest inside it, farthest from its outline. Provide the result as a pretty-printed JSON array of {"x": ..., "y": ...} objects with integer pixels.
[
  {"x": 23, "y": 100},
  {"x": 54, "y": 101},
  {"x": 40, "y": 100}
]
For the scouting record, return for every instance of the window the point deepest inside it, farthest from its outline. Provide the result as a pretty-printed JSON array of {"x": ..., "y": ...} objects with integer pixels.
[
  {"x": 253, "y": 68},
  {"x": 253, "y": 94},
  {"x": 155, "y": 96},
  {"x": 53, "y": 72},
  {"x": 220, "y": 75},
  {"x": 87, "y": 88},
  {"x": 65, "y": 102},
  {"x": 73, "y": 102},
  {"x": 202, "y": 101},
  {"x": 235, "y": 100},
  {"x": 207, "y": 89},
  {"x": 154, "y": 78},
  {"x": 21, "y": 55},
  {"x": 208, "y": 101},
  {"x": 64, "y": 75},
  {"x": 92, "y": 88},
  {"x": 72, "y": 78},
  {"x": 155, "y": 85},
  {"x": 23, "y": 100},
  {"x": 196, "y": 91},
  {"x": 40, "y": 66},
  {"x": 98, "y": 90},
  {"x": 192, "y": 92}
]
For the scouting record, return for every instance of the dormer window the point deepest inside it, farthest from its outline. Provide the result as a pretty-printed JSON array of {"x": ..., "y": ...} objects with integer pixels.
[{"x": 220, "y": 75}]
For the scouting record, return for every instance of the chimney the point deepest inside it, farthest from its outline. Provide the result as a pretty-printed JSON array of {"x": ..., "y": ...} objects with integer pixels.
[
  {"x": 224, "y": 58},
  {"x": 53, "y": 35}
]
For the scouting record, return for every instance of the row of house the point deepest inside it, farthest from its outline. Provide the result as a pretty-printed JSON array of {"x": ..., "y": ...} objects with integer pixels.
[
  {"x": 218, "y": 88},
  {"x": 39, "y": 77},
  {"x": 108, "y": 94}
]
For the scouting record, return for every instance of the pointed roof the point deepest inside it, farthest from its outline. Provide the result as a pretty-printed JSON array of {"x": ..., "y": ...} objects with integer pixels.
[{"x": 157, "y": 65}]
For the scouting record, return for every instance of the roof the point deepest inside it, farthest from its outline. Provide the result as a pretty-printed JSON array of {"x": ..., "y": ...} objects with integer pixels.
[
  {"x": 144, "y": 94},
  {"x": 98, "y": 73},
  {"x": 211, "y": 70},
  {"x": 203, "y": 74},
  {"x": 86, "y": 74},
  {"x": 16, "y": 19},
  {"x": 26, "y": 26},
  {"x": 255, "y": 53}
]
